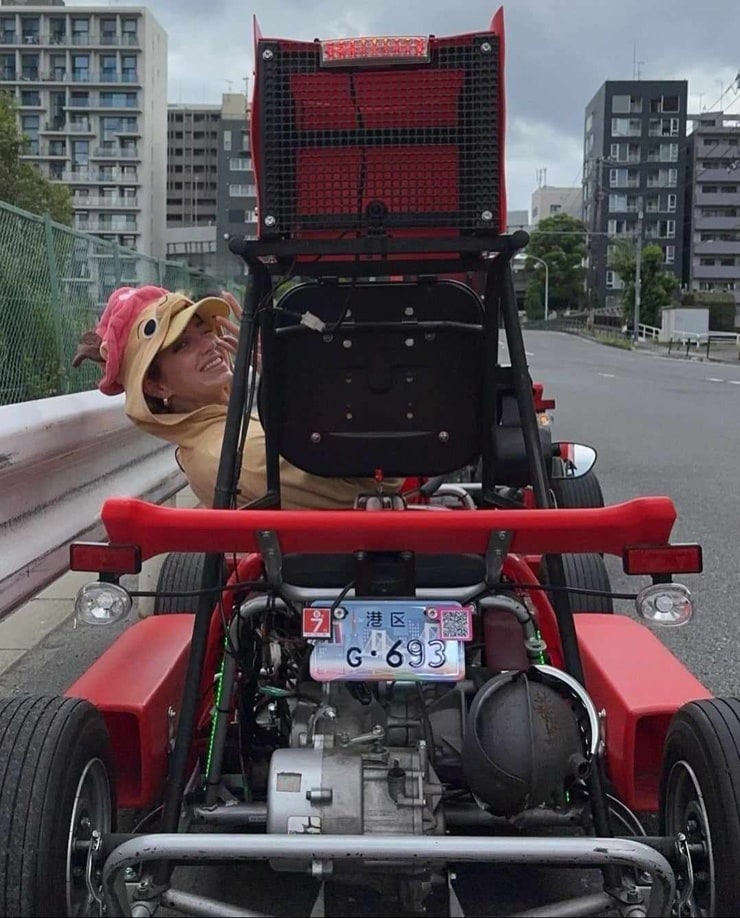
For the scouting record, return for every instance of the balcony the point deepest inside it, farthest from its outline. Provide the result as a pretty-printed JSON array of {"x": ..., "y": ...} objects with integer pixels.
[
  {"x": 716, "y": 223},
  {"x": 9, "y": 38},
  {"x": 98, "y": 203},
  {"x": 56, "y": 126},
  {"x": 717, "y": 249},
  {"x": 81, "y": 128},
  {"x": 716, "y": 272},
  {"x": 114, "y": 153},
  {"x": 717, "y": 199}
]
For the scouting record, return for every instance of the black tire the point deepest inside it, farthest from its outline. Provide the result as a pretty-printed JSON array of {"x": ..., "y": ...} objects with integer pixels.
[
  {"x": 589, "y": 572},
  {"x": 700, "y": 796},
  {"x": 55, "y": 784},
  {"x": 180, "y": 572},
  {"x": 577, "y": 493}
]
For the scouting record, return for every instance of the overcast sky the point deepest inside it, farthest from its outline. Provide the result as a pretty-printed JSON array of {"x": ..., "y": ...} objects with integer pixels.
[{"x": 558, "y": 53}]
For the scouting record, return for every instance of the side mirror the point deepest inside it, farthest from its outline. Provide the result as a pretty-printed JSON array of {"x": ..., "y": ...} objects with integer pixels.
[{"x": 572, "y": 460}]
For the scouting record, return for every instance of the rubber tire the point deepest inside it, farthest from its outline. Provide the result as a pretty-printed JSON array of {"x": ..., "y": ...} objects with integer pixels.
[
  {"x": 588, "y": 571},
  {"x": 577, "y": 493},
  {"x": 705, "y": 735},
  {"x": 181, "y": 571},
  {"x": 46, "y": 743}
]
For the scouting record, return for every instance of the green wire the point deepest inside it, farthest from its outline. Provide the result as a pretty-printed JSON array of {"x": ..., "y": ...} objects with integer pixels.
[{"x": 219, "y": 680}]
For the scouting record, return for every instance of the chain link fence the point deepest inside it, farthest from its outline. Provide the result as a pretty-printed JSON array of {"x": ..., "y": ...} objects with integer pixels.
[{"x": 54, "y": 284}]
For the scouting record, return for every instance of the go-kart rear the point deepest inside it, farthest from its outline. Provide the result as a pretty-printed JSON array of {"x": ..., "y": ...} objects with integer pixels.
[{"x": 369, "y": 698}]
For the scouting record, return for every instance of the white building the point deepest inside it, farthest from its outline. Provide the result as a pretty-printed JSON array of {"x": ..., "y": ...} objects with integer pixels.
[
  {"x": 91, "y": 88},
  {"x": 549, "y": 200}
]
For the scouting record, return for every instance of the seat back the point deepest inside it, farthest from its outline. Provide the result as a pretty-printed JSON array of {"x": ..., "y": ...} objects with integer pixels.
[{"x": 394, "y": 382}]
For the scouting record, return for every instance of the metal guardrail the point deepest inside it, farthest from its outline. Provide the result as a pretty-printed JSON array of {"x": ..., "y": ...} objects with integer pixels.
[
  {"x": 699, "y": 338},
  {"x": 60, "y": 458}
]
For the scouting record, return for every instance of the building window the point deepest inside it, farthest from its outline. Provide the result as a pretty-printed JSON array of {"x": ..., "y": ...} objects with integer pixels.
[
  {"x": 241, "y": 191},
  {"x": 666, "y": 229},
  {"x": 671, "y": 201},
  {"x": 239, "y": 164},
  {"x": 670, "y": 254},
  {"x": 627, "y": 105},
  {"x": 227, "y": 141},
  {"x": 626, "y": 127},
  {"x": 30, "y": 97},
  {"x": 665, "y": 104}
]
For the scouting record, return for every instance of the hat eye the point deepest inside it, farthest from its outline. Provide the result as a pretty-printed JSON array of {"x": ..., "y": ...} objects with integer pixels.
[{"x": 150, "y": 327}]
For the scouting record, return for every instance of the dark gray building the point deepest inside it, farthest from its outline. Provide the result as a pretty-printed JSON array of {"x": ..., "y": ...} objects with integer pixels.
[
  {"x": 237, "y": 192},
  {"x": 634, "y": 175},
  {"x": 192, "y": 164}
]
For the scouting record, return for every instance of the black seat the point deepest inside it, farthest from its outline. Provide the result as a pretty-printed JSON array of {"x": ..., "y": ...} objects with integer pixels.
[{"x": 394, "y": 381}]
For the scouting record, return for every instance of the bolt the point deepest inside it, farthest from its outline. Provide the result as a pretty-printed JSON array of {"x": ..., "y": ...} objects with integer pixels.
[
  {"x": 270, "y": 220},
  {"x": 340, "y": 613},
  {"x": 443, "y": 436},
  {"x": 486, "y": 216},
  {"x": 347, "y": 343},
  {"x": 377, "y": 730},
  {"x": 486, "y": 47},
  {"x": 129, "y": 874},
  {"x": 267, "y": 55},
  {"x": 315, "y": 437}
]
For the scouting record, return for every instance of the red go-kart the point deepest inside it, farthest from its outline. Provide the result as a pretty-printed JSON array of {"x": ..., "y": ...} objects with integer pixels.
[{"x": 370, "y": 698}]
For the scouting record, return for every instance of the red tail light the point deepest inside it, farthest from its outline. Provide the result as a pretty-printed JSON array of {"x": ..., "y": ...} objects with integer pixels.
[
  {"x": 398, "y": 49},
  {"x": 104, "y": 558},
  {"x": 662, "y": 559}
]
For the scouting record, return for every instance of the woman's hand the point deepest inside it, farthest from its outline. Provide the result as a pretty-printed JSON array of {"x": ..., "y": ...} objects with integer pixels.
[{"x": 229, "y": 329}]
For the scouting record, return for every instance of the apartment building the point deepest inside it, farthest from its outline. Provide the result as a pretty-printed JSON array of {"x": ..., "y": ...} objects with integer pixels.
[
  {"x": 192, "y": 164},
  {"x": 713, "y": 203},
  {"x": 548, "y": 200},
  {"x": 91, "y": 88},
  {"x": 634, "y": 179},
  {"x": 237, "y": 191},
  {"x": 211, "y": 192}
]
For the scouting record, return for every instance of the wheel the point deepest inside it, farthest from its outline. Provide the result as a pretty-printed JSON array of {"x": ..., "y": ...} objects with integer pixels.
[
  {"x": 589, "y": 572},
  {"x": 180, "y": 572},
  {"x": 577, "y": 493},
  {"x": 700, "y": 797},
  {"x": 56, "y": 789}
]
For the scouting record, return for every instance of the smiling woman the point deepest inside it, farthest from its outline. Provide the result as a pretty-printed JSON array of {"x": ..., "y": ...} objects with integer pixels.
[{"x": 172, "y": 359}]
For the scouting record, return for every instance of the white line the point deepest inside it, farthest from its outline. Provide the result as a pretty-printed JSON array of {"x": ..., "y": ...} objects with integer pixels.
[
  {"x": 608, "y": 375},
  {"x": 712, "y": 379},
  {"x": 734, "y": 382}
]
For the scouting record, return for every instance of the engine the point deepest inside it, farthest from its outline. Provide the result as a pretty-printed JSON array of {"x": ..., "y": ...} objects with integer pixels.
[
  {"x": 382, "y": 760},
  {"x": 356, "y": 765}
]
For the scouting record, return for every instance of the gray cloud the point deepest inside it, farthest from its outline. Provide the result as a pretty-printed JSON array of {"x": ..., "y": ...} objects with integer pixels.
[{"x": 558, "y": 54}]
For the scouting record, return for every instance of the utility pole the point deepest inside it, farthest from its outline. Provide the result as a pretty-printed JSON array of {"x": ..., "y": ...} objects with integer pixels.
[{"x": 638, "y": 269}]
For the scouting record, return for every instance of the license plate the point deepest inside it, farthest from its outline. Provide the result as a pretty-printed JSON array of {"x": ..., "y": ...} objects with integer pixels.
[{"x": 392, "y": 640}]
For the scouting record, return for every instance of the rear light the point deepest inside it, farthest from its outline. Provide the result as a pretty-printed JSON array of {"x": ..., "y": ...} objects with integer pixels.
[
  {"x": 662, "y": 559},
  {"x": 398, "y": 49},
  {"x": 104, "y": 558}
]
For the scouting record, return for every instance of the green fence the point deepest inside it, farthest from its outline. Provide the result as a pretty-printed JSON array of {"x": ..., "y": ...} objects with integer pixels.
[{"x": 54, "y": 283}]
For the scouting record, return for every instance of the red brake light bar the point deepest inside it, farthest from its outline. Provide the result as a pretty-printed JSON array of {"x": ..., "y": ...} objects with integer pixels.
[
  {"x": 398, "y": 49},
  {"x": 104, "y": 558},
  {"x": 662, "y": 559}
]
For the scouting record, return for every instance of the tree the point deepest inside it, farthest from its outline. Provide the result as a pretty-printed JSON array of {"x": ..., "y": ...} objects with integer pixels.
[
  {"x": 560, "y": 241},
  {"x": 21, "y": 183},
  {"x": 657, "y": 286}
]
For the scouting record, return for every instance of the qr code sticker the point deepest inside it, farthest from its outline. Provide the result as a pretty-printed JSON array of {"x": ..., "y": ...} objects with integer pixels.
[{"x": 455, "y": 625}]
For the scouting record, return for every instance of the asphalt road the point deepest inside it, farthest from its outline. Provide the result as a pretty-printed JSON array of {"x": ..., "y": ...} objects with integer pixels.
[{"x": 661, "y": 426}]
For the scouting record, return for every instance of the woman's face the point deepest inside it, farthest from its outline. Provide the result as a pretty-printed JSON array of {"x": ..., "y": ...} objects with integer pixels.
[{"x": 193, "y": 371}]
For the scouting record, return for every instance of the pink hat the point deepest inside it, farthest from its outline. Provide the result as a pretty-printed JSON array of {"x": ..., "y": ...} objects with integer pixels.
[
  {"x": 124, "y": 306},
  {"x": 136, "y": 324}
]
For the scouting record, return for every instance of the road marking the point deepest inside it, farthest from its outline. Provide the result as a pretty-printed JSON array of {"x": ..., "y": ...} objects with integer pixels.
[
  {"x": 608, "y": 375},
  {"x": 713, "y": 379},
  {"x": 734, "y": 382}
]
